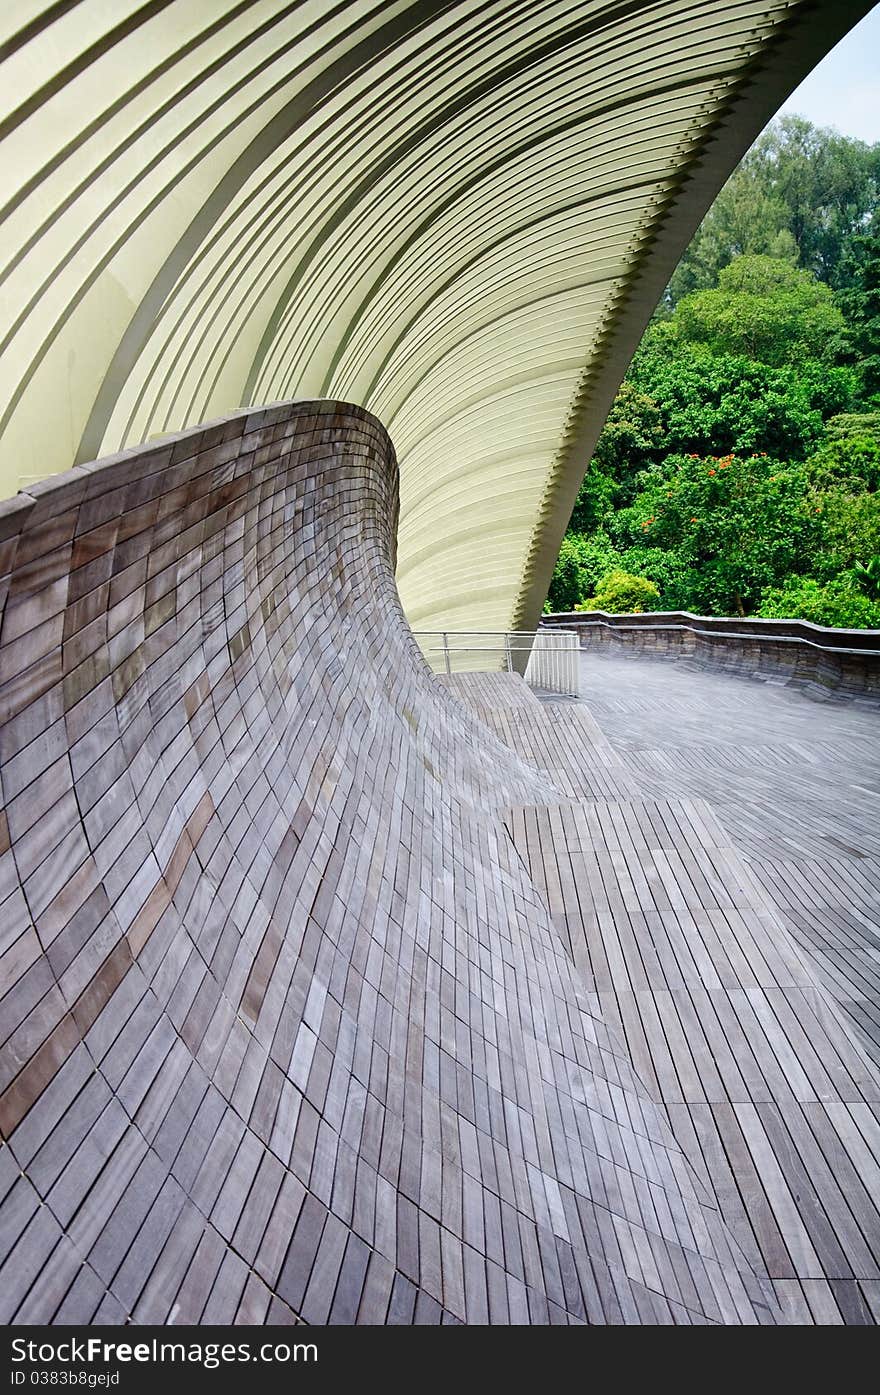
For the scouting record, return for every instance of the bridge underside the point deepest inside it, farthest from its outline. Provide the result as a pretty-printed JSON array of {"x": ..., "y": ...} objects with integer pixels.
[{"x": 457, "y": 213}]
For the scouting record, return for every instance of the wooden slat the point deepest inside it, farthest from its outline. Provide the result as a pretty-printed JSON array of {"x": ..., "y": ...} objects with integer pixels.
[{"x": 725, "y": 965}]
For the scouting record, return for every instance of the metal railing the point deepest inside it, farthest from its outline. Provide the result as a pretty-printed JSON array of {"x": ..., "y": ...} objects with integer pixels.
[{"x": 548, "y": 660}]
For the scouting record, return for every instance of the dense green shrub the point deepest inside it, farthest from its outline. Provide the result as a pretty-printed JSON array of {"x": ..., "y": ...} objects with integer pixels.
[
  {"x": 868, "y": 578},
  {"x": 850, "y": 533},
  {"x": 838, "y": 602},
  {"x": 619, "y": 593},
  {"x": 670, "y": 572},
  {"x": 849, "y": 457}
]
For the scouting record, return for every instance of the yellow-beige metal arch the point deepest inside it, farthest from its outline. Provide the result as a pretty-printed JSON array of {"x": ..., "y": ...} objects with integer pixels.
[{"x": 458, "y": 213}]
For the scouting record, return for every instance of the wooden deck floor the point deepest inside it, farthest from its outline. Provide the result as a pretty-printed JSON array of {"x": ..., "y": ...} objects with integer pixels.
[
  {"x": 795, "y": 782},
  {"x": 713, "y": 869}
]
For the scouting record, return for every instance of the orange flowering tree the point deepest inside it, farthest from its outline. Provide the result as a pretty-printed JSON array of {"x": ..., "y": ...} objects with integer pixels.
[{"x": 732, "y": 524}]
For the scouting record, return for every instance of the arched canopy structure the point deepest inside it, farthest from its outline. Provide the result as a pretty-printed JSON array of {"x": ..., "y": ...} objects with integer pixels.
[{"x": 458, "y": 213}]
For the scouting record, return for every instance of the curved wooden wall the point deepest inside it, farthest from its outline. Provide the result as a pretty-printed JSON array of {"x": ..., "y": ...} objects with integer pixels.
[{"x": 287, "y": 1029}]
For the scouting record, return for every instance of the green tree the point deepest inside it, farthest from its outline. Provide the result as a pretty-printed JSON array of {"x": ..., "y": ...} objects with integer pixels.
[
  {"x": 633, "y": 437},
  {"x": 735, "y": 525},
  {"x": 800, "y": 193},
  {"x": 714, "y": 403},
  {"x": 859, "y": 342},
  {"x": 747, "y": 218},
  {"x": 634, "y": 430},
  {"x": 740, "y": 464},
  {"x": 764, "y": 309},
  {"x": 829, "y": 185},
  {"x": 594, "y": 499}
]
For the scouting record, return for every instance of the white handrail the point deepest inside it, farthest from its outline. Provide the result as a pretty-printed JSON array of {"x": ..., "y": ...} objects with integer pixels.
[{"x": 553, "y": 663}]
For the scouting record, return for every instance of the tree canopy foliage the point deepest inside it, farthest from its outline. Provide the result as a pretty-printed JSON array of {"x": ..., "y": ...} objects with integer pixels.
[
  {"x": 763, "y": 308},
  {"x": 801, "y": 194},
  {"x": 739, "y": 469}
]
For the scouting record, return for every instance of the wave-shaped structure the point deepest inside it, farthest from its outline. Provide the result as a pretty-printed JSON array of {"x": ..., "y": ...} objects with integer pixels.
[
  {"x": 457, "y": 213},
  {"x": 288, "y": 1031}
]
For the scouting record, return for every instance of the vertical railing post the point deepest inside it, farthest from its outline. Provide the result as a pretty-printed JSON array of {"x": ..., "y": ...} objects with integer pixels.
[
  {"x": 508, "y": 658},
  {"x": 446, "y": 652}
]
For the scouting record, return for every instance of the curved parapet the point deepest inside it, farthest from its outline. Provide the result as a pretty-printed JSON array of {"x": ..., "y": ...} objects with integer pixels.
[
  {"x": 287, "y": 1029},
  {"x": 817, "y": 658},
  {"x": 459, "y": 213}
]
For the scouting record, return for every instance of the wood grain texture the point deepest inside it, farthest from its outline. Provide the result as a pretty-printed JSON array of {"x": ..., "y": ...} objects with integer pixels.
[
  {"x": 288, "y": 1032},
  {"x": 721, "y": 907}
]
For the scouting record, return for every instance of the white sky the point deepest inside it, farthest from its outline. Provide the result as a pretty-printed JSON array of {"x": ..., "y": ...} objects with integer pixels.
[{"x": 844, "y": 91}]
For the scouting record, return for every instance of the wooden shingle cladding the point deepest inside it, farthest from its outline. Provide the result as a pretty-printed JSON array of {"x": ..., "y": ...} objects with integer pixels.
[
  {"x": 287, "y": 1031},
  {"x": 334, "y": 992}
]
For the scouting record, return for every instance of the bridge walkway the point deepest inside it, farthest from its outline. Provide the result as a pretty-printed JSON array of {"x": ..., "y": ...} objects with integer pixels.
[{"x": 713, "y": 869}]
